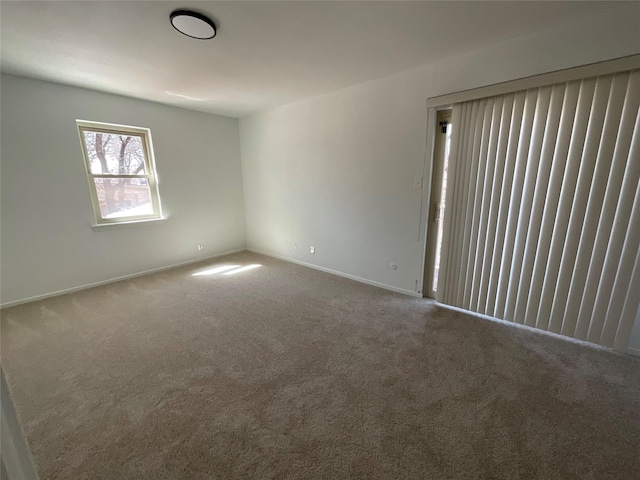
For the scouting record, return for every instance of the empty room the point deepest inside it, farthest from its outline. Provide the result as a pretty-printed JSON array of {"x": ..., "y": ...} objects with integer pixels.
[{"x": 320, "y": 240}]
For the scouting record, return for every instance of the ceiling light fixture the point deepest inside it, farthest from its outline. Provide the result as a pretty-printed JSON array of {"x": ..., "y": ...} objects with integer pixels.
[{"x": 193, "y": 24}]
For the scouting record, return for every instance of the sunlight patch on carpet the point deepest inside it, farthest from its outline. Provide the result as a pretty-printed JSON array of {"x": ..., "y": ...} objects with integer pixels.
[{"x": 213, "y": 271}]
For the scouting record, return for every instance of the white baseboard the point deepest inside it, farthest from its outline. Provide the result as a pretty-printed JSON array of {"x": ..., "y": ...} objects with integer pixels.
[
  {"x": 112, "y": 280},
  {"x": 340, "y": 274}
]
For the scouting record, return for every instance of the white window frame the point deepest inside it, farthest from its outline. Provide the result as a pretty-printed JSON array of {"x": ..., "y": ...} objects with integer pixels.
[{"x": 150, "y": 169}]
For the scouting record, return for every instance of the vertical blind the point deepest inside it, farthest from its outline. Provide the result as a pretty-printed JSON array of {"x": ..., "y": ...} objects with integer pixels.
[{"x": 542, "y": 223}]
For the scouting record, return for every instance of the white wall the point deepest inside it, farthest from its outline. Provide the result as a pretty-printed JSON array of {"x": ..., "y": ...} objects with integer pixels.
[
  {"x": 336, "y": 171},
  {"x": 47, "y": 243}
]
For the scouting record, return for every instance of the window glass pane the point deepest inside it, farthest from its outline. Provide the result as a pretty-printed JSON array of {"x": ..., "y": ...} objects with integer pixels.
[
  {"x": 123, "y": 197},
  {"x": 115, "y": 154},
  {"x": 443, "y": 196}
]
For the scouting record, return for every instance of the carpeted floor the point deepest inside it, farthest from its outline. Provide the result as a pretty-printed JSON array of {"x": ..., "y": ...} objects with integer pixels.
[{"x": 287, "y": 372}]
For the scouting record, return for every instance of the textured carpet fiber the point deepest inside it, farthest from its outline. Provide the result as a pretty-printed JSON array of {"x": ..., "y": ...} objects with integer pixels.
[{"x": 286, "y": 372}]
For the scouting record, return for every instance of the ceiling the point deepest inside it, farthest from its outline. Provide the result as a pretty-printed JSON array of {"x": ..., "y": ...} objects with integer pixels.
[{"x": 265, "y": 54}]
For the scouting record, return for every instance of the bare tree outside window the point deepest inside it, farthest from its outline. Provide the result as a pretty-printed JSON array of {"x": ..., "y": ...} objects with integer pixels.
[{"x": 121, "y": 173}]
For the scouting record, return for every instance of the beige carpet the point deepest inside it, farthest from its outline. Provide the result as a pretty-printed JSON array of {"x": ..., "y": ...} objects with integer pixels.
[{"x": 286, "y": 372}]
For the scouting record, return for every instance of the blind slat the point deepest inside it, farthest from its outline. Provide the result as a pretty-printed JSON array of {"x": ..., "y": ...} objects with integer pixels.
[
  {"x": 524, "y": 216},
  {"x": 624, "y": 234},
  {"x": 621, "y": 289},
  {"x": 496, "y": 191},
  {"x": 561, "y": 225},
  {"x": 475, "y": 206},
  {"x": 481, "y": 245},
  {"x": 460, "y": 198},
  {"x": 514, "y": 202},
  {"x": 579, "y": 207},
  {"x": 505, "y": 195},
  {"x": 551, "y": 202},
  {"x": 625, "y": 325},
  {"x": 459, "y": 118},
  {"x": 551, "y": 126},
  {"x": 580, "y": 292},
  {"x": 467, "y": 204}
]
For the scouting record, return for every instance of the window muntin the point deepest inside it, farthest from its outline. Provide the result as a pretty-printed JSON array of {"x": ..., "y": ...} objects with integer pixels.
[{"x": 121, "y": 170}]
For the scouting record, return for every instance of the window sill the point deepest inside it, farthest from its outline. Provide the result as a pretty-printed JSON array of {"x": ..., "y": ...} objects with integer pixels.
[{"x": 108, "y": 226}]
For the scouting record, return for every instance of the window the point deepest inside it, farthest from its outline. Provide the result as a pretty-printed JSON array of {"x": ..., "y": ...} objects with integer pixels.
[{"x": 121, "y": 171}]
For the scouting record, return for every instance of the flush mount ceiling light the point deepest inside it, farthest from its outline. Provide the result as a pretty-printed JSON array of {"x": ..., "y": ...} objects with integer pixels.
[{"x": 193, "y": 24}]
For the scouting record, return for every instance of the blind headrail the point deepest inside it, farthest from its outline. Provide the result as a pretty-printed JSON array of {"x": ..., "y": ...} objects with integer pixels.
[{"x": 621, "y": 64}]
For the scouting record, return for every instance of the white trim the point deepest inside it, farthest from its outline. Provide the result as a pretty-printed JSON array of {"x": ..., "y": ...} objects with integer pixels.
[
  {"x": 113, "y": 280},
  {"x": 427, "y": 176},
  {"x": 107, "y": 226},
  {"x": 633, "y": 351},
  {"x": 113, "y": 127},
  {"x": 559, "y": 76},
  {"x": 340, "y": 274},
  {"x": 150, "y": 175}
]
